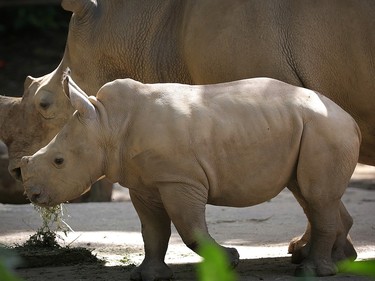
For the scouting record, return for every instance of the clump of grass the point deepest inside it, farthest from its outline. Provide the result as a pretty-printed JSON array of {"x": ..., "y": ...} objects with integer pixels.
[
  {"x": 42, "y": 239},
  {"x": 52, "y": 221},
  {"x": 43, "y": 249}
]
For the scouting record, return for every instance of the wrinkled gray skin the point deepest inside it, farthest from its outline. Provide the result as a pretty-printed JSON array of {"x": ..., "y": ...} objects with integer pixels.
[
  {"x": 325, "y": 45},
  {"x": 180, "y": 147}
]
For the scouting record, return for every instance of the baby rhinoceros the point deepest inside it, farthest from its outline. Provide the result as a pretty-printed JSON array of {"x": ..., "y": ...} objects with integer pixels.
[{"x": 180, "y": 147}]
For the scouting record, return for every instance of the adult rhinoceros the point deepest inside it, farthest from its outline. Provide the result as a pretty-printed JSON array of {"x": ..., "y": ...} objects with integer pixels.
[{"x": 325, "y": 45}]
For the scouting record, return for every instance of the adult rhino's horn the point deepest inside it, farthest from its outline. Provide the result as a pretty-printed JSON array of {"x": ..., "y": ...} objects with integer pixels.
[{"x": 79, "y": 7}]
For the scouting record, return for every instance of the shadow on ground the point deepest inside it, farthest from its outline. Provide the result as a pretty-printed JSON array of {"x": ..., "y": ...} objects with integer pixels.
[{"x": 249, "y": 269}]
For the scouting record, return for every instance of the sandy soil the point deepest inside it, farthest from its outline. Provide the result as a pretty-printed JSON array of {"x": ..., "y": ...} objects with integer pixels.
[{"x": 260, "y": 233}]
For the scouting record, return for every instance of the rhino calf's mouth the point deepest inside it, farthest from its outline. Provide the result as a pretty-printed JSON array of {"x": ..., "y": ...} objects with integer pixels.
[{"x": 37, "y": 196}]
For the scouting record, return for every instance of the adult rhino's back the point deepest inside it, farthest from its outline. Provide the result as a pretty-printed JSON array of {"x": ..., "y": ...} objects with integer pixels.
[
  {"x": 301, "y": 42},
  {"x": 327, "y": 46}
]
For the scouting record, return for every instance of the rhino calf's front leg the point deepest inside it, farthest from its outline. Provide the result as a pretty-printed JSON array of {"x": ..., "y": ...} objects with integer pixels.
[
  {"x": 156, "y": 231},
  {"x": 186, "y": 207}
]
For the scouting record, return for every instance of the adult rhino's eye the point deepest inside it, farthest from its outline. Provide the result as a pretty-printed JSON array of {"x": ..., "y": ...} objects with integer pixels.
[
  {"x": 58, "y": 161},
  {"x": 44, "y": 105}
]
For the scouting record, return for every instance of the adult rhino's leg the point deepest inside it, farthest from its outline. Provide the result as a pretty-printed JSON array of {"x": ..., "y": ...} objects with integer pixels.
[
  {"x": 156, "y": 231},
  {"x": 186, "y": 207}
]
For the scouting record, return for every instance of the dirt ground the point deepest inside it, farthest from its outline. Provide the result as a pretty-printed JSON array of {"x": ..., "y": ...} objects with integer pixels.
[{"x": 260, "y": 233}]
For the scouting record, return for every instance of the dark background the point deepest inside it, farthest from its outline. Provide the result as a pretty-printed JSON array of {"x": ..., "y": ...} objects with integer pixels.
[{"x": 32, "y": 42}]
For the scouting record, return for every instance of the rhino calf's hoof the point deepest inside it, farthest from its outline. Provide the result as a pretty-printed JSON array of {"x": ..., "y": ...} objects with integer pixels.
[
  {"x": 233, "y": 256},
  {"x": 300, "y": 254},
  {"x": 151, "y": 272},
  {"x": 310, "y": 269},
  {"x": 296, "y": 244}
]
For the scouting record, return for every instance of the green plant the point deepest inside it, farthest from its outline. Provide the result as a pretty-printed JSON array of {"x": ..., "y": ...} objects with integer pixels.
[
  {"x": 6, "y": 274},
  {"x": 8, "y": 260},
  {"x": 215, "y": 266},
  {"x": 366, "y": 268}
]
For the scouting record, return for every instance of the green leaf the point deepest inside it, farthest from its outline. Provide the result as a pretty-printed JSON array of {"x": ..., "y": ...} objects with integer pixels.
[
  {"x": 6, "y": 275},
  {"x": 215, "y": 266},
  {"x": 366, "y": 267}
]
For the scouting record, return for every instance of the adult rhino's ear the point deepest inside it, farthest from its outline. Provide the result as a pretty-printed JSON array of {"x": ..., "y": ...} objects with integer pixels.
[
  {"x": 44, "y": 101},
  {"x": 28, "y": 81},
  {"x": 79, "y": 100},
  {"x": 79, "y": 7}
]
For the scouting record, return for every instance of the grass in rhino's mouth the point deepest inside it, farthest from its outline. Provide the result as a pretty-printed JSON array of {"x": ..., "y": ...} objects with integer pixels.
[
  {"x": 52, "y": 219},
  {"x": 43, "y": 249}
]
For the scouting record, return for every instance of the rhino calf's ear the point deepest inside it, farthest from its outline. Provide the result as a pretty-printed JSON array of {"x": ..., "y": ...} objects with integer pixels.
[
  {"x": 79, "y": 100},
  {"x": 65, "y": 81}
]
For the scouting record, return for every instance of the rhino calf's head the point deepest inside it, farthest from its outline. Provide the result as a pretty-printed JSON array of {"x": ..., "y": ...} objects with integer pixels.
[{"x": 67, "y": 166}]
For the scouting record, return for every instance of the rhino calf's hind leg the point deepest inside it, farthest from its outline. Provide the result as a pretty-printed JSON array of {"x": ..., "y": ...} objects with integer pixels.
[
  {"x": 298, "y": 247},
  {"x": 156, "y": 231},
  {"x": 324, "y": 168},
  {"x": 343, "y": 248},
  {"x": 186, "y": 207},
  {"x": 324, "y": 228}
]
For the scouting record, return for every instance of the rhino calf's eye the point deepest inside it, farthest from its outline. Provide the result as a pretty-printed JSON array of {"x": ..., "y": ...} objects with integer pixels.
[{"x": 59, "y": 161}]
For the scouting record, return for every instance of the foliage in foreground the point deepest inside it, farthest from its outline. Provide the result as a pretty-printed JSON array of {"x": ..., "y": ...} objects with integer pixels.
[
  {"x": 215, "y": 266},
  {"x": 365, "y": 268},
  {"x": 8, "y": 260}
]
